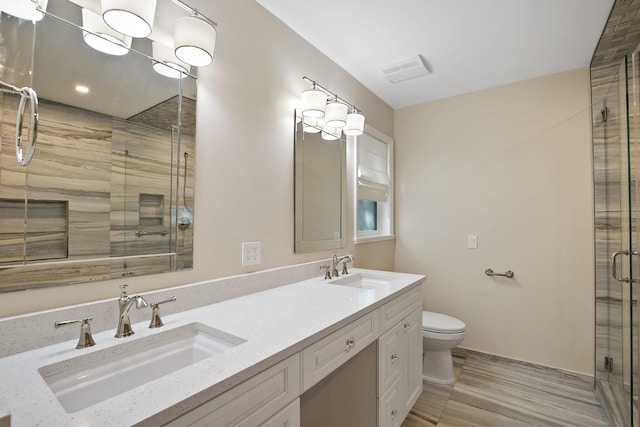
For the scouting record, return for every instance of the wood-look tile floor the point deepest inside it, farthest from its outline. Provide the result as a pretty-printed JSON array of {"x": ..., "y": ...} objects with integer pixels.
[{"x": 495, "y": 391}]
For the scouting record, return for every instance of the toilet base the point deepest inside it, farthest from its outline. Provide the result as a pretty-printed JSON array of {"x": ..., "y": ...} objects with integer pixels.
[
  {"x": 437, "y": 367},
  {"x": 438, "y": 380}
]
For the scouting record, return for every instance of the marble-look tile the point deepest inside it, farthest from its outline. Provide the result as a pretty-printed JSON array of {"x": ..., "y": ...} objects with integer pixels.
[
  {"x": 83, "y": 160},
  {"x": 496, "y": 391},
  {"x": 614, "y": 400}
]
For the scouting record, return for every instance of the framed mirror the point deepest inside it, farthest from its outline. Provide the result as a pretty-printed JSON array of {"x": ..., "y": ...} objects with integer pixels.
[
  {"x": 109, "y": 191},
  {"x": 320, "y": 191}
]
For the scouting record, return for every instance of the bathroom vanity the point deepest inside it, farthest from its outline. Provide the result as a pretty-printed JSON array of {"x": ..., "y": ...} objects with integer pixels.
[{"x": 266, "y": 349}]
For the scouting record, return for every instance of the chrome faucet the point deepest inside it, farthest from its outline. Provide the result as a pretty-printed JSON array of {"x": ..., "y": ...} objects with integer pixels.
[
  {"x": 336, "y": 261},
  {"x": 124, "y": 303}
]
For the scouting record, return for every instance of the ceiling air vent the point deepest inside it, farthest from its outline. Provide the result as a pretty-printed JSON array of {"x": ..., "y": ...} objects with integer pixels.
[{"x": 406, "y": 69}]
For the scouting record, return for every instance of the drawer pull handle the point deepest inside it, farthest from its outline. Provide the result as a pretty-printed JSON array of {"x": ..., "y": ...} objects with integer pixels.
[
  {"x": 394, "y": 357},
  {"x": 394, "y": 412},
  {"x": 351, "y": 342}
]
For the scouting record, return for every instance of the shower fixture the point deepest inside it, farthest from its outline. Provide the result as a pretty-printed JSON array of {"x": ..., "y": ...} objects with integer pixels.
[{"x": 185, "y": 217}]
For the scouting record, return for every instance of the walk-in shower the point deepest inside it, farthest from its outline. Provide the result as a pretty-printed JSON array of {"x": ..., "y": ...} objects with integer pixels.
[{"x": 615, "y": 83}]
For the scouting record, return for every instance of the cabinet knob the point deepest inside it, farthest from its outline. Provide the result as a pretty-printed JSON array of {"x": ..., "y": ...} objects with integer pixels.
[
  {"x": 407, "y": 326},
  {"x": 351, "y": 342},
  {"x": 394, "y": 357},
  {"x": 394, "y": 412}
]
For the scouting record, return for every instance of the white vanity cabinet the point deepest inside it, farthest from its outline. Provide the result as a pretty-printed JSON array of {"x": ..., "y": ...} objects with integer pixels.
[
  {"x": 400, "y": 358},
  {"x": 258, "y": 401},
  {"x": 359, "y": 338},
  {"x": 271, "y": 398}
]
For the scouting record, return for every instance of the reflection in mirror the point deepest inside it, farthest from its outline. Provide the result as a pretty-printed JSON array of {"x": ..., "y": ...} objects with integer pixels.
[
  {"x": 109, "y": 191},
  {"x": 320, "y": 218}
]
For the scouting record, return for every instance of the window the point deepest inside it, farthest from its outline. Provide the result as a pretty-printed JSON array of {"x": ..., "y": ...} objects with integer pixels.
[{"x": 373, "y": 186}]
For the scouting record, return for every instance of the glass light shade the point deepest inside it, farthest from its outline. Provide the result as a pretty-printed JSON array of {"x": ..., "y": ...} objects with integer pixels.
[
  {"x": 24, "y": 9},
  {"x": 355, "y": 124},
  {"x": 101, "y": 37},
  {"x": 132, "y": 18},
  {"x": 313, "y": 103},
  {"x": 166, "y": 63},
  {"x": 330, "y": 133},
  {"x": 311, "y": 125},
  {"x": 335, "y": 115},
  {"x": 194, "y": 39}
]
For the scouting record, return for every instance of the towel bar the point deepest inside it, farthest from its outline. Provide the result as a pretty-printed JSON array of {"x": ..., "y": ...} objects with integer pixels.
[{"x": 508, "y": 273}]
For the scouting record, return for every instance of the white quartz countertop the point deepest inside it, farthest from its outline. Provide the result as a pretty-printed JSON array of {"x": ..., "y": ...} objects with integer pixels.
[{"x": 275, "y": 323}]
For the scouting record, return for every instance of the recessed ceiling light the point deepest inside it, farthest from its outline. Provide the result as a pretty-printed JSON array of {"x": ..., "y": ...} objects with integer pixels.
[{"x": 82, "y": 89}]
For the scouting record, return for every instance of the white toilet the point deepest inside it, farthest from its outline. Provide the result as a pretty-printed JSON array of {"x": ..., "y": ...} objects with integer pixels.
[{"x": 440, "y": 334}]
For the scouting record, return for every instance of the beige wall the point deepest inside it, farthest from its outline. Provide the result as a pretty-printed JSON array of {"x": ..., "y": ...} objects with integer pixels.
[
  {"x": 513, "y": 165},
  {"x": 244, "y": 155}
]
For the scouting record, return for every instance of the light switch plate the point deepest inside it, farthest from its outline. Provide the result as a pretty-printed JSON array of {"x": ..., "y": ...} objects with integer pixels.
[{"x": 472, "y": 241}]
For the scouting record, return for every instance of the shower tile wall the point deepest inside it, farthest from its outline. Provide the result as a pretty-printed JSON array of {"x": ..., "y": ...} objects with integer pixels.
[{"x": 85, "y": 159}]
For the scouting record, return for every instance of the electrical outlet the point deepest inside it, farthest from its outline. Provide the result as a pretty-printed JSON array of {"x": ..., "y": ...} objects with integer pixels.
[{"x": 250, "y": 253}]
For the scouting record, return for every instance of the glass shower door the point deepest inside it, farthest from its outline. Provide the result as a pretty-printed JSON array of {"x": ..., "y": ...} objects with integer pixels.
[{"x": 617, "y": 258}]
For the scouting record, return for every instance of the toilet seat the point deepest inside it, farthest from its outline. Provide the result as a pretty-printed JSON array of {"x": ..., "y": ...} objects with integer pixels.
[{"x": 441, "y": 323}]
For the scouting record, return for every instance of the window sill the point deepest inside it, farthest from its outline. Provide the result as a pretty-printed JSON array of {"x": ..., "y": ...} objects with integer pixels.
[{"x": 371, "y": 239}]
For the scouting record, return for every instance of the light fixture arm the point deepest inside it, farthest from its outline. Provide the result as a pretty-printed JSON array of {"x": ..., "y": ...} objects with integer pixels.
[
  {"x": 316, "y": 85},
  {"x": 195, "y": 12}
]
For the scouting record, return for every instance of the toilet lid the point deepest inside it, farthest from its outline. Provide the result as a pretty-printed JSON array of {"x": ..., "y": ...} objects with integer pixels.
[{"x": 437, "y": 322}]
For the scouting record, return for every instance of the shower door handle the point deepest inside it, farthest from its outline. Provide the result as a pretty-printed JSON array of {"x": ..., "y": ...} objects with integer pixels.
[{"x": 614, "y": 272}]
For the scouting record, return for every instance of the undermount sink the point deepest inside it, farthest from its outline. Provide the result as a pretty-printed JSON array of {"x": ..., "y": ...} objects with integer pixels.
[
  {"x": 85, "y": 380},
  {"x": 363, "y": 280}
]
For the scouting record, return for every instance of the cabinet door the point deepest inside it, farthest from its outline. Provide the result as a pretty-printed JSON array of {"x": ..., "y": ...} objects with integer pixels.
[
  {"x": 389, "y": 362},
  {"x": 411, "y": 337},
  {"x": 389, "y": 407}
]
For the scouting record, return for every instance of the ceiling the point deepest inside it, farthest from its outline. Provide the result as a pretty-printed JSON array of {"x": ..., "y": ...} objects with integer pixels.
[{"x": 468, "y": 45}]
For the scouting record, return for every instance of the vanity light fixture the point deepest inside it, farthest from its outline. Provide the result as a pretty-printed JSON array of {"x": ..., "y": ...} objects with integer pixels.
[
  {"x": 194, "y": 38},
  {"x": 313, "y": 102},
  {"x": 355, "y": 124},
  {"x": 331, "y": 133},
  {"x": 102, "y": 37},
  {"x": 166, "y": 63},
  {"x": 29, "y": 10},
  {"x": 132, "y": 18},
  {"x": 311, "y": 125},
  {"x": 335, "y": 114}
]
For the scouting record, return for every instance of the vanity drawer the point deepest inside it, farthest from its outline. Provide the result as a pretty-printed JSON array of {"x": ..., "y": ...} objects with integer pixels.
[
  {"x": 251, "y": 402},
  {"x": 324, "y": 356},
  {"x": 393, "y": 312},
  {"x": 288, "y": 417}
]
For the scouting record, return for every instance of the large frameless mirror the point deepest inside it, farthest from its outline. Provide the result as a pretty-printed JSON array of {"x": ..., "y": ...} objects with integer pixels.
[
  {"x": 320, "y": 187},
  {"x": 109, "y": 190}
]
